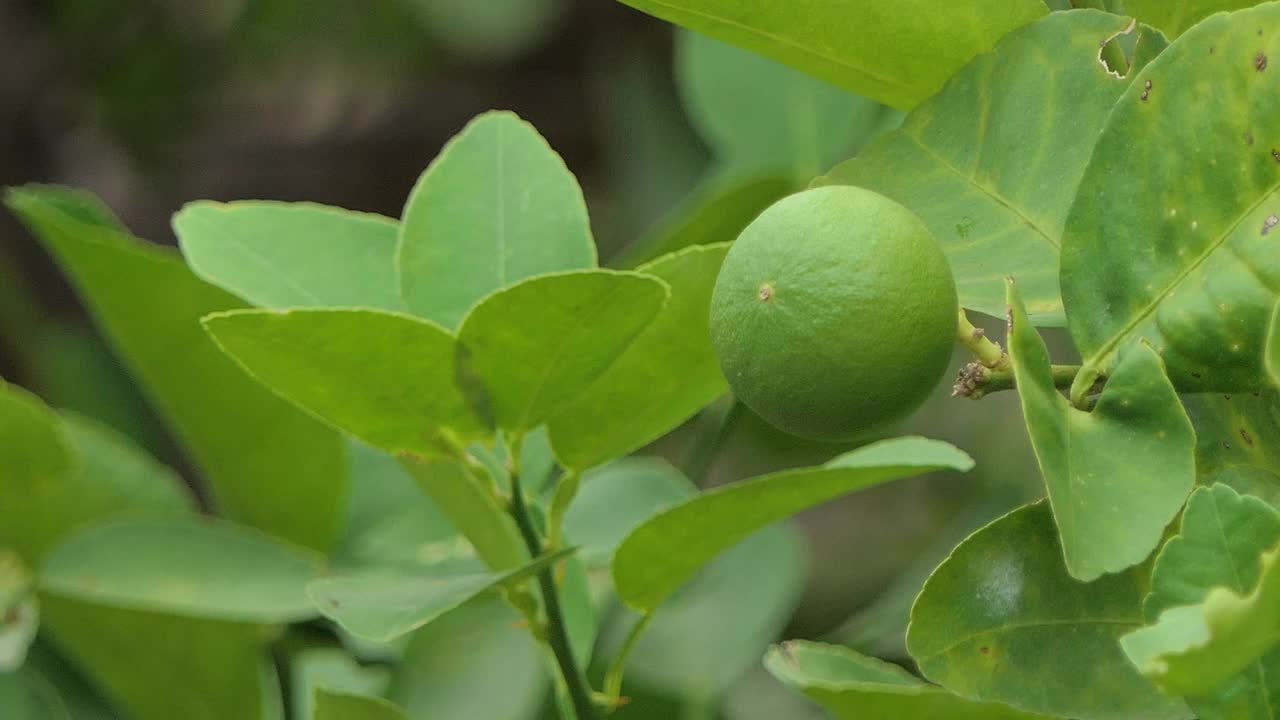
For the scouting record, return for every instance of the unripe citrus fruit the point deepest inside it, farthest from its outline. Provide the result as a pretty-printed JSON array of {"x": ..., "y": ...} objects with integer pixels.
[{"x": 834, "y": 313}]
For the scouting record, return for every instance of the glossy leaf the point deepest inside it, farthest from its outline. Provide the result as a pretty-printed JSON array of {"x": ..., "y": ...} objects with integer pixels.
[
  {"x": 386, "y": 378},
  {"x": 526, "y": 351},
  {"x": 663, "y": 552},
  {"x": 904, "y": 50},
  {"x": 714, "y": 629},
  {"x": 267, "y": 464},
  {"x": 382, "y": 606},
  {"x": 160, "y": 667},
  {"x": 757, "y": 114},
  {"x": 1174, "y": 17},
  {"x": 617, "y": 497},
  {"x": 331, "y": 705},
  {"x": 1003, "y": 601},
  {"x": 281, "y": 255},
  {"x": 497, "y": 206},
  {"x": 1204, "y": 570},
  {"x": 855, "y": 687},
  {"x": 184, "y": 567},
  {"x": 715, "y": 212},
  {"x": 991, "y": 163},
  {"x": 1183, "y": 259},
  {"x": 666, "y": 375},
  {"x": 1115, "y": 475},
  {"x": 60, "y": 474}
]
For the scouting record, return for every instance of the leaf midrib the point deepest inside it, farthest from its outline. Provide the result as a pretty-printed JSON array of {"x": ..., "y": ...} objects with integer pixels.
[
  {"x": 1112, "y": 342},
  {"x": 1025, "y": 626}
]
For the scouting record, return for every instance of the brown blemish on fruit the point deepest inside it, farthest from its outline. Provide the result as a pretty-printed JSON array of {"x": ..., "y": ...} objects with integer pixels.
[
  {"x": 765, "y": 292},
  {"x": 1260, "y": 61},
  {"x": 1226, "y": 445},
  {"x": 984, "y": 650},
  {"x": 1246, "y": 437},
  {"x": 1275, "y": 155},
  {"x": 1248, "y": 138}
]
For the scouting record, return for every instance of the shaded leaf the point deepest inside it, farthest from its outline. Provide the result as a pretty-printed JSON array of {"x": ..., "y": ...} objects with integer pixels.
[
  {"x": 468, "y": 501},
  {"x": 497, "y": 206},
  {"x": 386, "y": 378},
  {"x": 663, "y": 552},
  {"x": 1003, "y": 601},
  {"x": 61, "y": 473},
  {"x": 903, "y": 54},
  {"x": 856, "y": 687},
  {"x": 382, "y": 606},
  {"x": 715, "y": 212},
  {"x": 19, "y": 611},
  {"x": 1215, "y": 557},
  {"x": 1183, "y": 259},
  {"x": 27, "y": 695},
  {"x": 1116, "y": 475},
  {"x": 617, "y": 497},
  {"x": 332, "y": 705},
  {"x": 267, "y": 464},
  {"x": 757, "y": 114},
  {"x": 992, "y": 162},
  {"x": 160, "y": 667},
  {"x": 279, "y": 255},
  {"x": 331, "y": 669},
  {"x": 192, "y": 568},
  {"x": 665, "y": 376},
  {"x": 1230, "y": 441},
  {"x": 536, "y": 345}
]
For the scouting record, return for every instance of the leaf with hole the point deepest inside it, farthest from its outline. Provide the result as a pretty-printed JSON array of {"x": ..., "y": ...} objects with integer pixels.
[
  {"x": 1170, "y": 240},
  {"x": 991, "y": 163},
  {"x": 667, "y": 549},
  {"x": 905, "y": 50},
  {"x": 1116, "y": 475},
  {"x": 268, "y": 465},
  {"x": 1004, "y": 600},
  {"x": 280, "y": 255},
  {"x": 497, "y": 206}
]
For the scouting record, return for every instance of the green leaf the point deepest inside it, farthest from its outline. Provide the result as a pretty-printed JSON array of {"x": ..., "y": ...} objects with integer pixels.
[
  {"x": 1116, "y": 475},
  {"x": 386, "y": 378},
  {"x": 1003, "y": 601},
  {"x": 992, "y": 162},
  {"x": 616, "y": 498},
  {"x": 854, "y": 687},
  {"x": 383, "y": 606},
  {"x": 714, "y": 629},
  {"x": 1203, "y": 571},
  {"x": 497, "y": 206},
  {"x": 190, "y": 568},
  {"x": 330, "y": 705},
  {"x": 19, "y": 611},
  {"x": 1271, "y": 351},
  {"x": 159, "y": 667},
  {"x": 1231, "y": 446},
  {"x": 27, "y": 695},
  {"x": 904, "y": 51},
  {"x": 1204, "y": 289},
  {"x": 332, "y": 669},
  {"x": 667, "y": 374},
  {"x": 759, "y": 115},
  {"x": 527, "y": 350},
  {"x": 267, "y": 464},
  {"x": 280, "y": 255},
  {"x": 665, "y": 551},
  {"x": 60, "y": 474},
  {"x": 500, "y": 676},
  {"x": 470, "y": 504},
  {"x": 1174, "y": 17}
]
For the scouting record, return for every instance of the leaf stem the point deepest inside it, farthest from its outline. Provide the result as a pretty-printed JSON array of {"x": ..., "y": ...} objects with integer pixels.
[
  {"x": 557, "y": 635},
  {"x": 975, "y": 340},
  {"x": 976, "y": 380},
  {"x": 613, "y": 677}
]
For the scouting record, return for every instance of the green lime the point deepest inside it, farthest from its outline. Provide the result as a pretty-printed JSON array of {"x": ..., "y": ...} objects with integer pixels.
[{"x": 834, "y": 313}]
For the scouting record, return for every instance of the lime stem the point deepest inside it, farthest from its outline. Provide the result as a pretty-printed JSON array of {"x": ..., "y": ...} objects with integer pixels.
[{"x": 975, "y": 340}]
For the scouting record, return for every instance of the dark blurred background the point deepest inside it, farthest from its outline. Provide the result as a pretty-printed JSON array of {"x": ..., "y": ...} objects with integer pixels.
[{"x": 152, "y": 103}]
